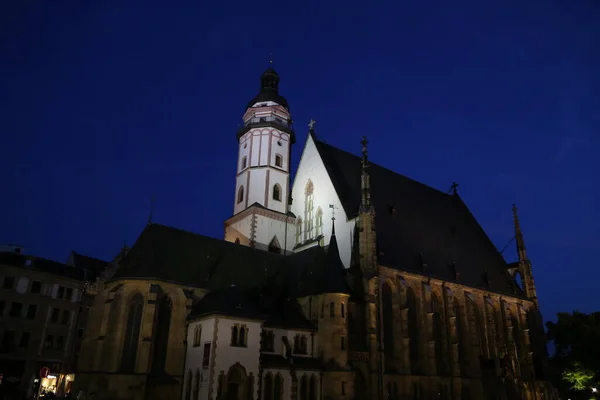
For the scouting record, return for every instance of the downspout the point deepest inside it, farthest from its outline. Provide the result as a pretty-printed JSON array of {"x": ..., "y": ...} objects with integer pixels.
[{"x": 448, "y": 344}]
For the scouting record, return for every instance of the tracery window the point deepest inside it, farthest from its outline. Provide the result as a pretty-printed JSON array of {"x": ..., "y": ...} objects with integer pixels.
[
  {"x": 319, "y": 221},
  {"x": 161, "y": 334},
  {"x": 309, "y": 210},
  {"x": 132, "y": 333},
  {"x": 388, "y": 321},
  {"x": 239, "y": 335}
]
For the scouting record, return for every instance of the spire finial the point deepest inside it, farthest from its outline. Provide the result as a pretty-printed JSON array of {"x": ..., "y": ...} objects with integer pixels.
[
  {"x": 333, "y": 208},
  {"x": 311, "y": 125},
  {"x": 151, "y": 214},
  {"x": 270, "y": 58},
  {"x": 365, "y": 181}
]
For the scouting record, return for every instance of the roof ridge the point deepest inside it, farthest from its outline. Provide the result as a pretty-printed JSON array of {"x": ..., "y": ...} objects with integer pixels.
[{"x": 319, "y": 142}]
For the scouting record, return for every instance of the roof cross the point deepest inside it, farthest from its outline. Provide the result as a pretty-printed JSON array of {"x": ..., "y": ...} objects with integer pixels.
[
  {"x": 454, "y": 188},
  {"x": 311, "y": 124},
  {"x": 333, "y": 208}
]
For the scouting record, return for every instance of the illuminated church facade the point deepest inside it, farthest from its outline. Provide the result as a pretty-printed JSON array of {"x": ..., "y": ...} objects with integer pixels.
[{"x": 352, "y": 282}]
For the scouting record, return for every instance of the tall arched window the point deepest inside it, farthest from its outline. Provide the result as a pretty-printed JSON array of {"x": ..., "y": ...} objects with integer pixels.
[
  {"x": 413, "y": 329},
  {"x": 240, "y": 194},
  {"x": 277, "y": 192},
  {"x": 132, "y": 333},
  {"x": 461, "y": 338},
  {"x": 303, "y": 388},
  {"x": 313, "y": 388},
  {"x": 436, "y": 328},
  {"x": 278, "y": 388},
  {"x": 188, "y": 385},
  {"x": 161, "y": 334},
  {"x": 516, "y": 334},
  {"x": 197, "y": 385},
  {"x": 491, "y": 328},
  {"x": 234, "y": 335},
  {"x": 332, "y": 309},
  {"x": 388, "y": 321},
  {"x": 268, "y": 389},
  {"x": 342, "y": 310},
  {"x": 244, "y": 162},
  {"x": 278, "y": 160},
  {"x": 476, "y": 323},
  {"x": 299, "y": 230},
  {"x": 319, "y": 224},
  {"x": 309, "y": 210}
]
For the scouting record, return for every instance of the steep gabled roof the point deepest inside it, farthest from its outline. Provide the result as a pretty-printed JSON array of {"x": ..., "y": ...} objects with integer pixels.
[
  {"x": 92, "y": 266},
  {"x": 417, "y": 224}
]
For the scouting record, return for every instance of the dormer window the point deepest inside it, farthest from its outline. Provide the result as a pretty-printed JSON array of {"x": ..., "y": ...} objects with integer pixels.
[{"x": 278, "y": 160}]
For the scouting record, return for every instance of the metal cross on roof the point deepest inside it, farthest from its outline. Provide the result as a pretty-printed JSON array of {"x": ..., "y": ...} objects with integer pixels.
[
  {"x": 333, "y": 208},
  {"x": 454, "y": 187},
  {"x": 311, "y": 124}
]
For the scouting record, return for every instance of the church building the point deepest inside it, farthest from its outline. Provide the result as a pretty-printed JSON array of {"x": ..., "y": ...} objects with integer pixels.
[{"x": 350, "y": 281}]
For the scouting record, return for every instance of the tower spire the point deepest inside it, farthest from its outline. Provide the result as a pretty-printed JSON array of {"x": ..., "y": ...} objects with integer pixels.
[
  {"x": 524, "y": 263},
  {"x": 365, "y": 182},
  {"x": 521, "y": 251}
]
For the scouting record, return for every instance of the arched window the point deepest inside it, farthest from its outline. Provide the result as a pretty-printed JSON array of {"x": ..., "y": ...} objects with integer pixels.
[
  {"x": 240, "y": 195},
  {"x": 161, "y": 334},
  {"x": 242, "y": 336},
  {"x": 132, "y": 333},
  {"x": 277, "y": 192},
  {"x": 309, "y": 210},
  {"x": 268, "y": 389},
  {"x": 278, "y": 388},
  {"x": 244, "y": 162},
  {"x": 303, "y": 388},
  {"x": 234, "y": 335},
  {"x": 476, "y": 323},
  {"x": 342, "y": 310},
  {"x": 299, "y": 230},
  {"x": 313, "y": 388},
  {"x": 516, "y": 335},
  {"x": 197, "y": 385},
  {"x": 436, "y": 328},
  {"x": 197, "y": 335},
  {"x": 413, "y": 329},
  {"x": 278, "y": 160},
  {"x": 461, "y": 338},
  {"x": 388, "y": 321},
  {"x": 188, "y": 385},
  {"x": 319, "y": 224},
  {"x": 332, "y": 309},
  {"x": 491, "y": 328}
]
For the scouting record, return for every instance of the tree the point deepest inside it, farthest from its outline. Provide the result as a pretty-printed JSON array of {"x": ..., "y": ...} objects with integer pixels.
[{"x": 576, "y": 360}]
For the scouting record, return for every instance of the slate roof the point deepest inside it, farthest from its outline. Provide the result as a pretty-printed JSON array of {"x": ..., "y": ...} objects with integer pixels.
[
  {"x": 92, "y": 266},
  {"x": 41, "y": 265},
  {"x": 170, "y": 254},
  {"x": 413, "y": 219}
]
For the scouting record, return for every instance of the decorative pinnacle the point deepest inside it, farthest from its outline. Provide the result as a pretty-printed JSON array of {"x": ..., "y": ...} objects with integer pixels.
[
  {"x": 365, "y": 181},
  {"x": 364, "y": 143},
  {"x": 519, "y": 236}
]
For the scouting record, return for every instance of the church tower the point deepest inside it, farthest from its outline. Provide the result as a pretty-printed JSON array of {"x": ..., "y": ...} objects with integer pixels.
[{"x": 261, "y": 201}]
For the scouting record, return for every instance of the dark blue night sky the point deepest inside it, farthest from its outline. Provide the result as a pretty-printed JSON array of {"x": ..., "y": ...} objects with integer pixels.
[{"x": 105, "y": 104}]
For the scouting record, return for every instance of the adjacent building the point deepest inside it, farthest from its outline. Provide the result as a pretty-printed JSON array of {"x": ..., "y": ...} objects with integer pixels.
[
  {"x": 40, "y": 324},
  {"x": 349, "y": 282}
]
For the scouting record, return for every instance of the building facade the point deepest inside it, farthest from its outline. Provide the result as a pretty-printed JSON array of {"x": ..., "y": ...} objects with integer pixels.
[
  {"x": 41, "y": 322},
  {"x": 354, "y": 282}
]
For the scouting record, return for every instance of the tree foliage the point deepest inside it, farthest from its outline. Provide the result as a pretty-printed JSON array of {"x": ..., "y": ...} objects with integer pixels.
[{"x": 576, "y": 360}]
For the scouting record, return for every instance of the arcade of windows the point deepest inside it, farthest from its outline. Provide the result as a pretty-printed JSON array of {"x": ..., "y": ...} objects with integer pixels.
[
  {"x": 239, "y": 336},
  {"x": 312, "y": 222}
]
